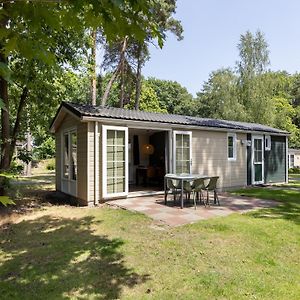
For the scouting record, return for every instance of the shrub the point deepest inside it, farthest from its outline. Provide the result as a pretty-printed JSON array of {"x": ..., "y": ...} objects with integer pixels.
[
  {"x": 50, "y": 165},
  {"x": 16, "y": 168},
  {"x": 295, "y": 170},
  {"x": 46, "y": 149}
]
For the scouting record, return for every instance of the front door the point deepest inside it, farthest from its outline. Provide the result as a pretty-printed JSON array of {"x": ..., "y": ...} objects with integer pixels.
[
  {"x": 115, "y": 161},
  {"x": 182, "y": 155},
  {"x": 257, "y": 160}
]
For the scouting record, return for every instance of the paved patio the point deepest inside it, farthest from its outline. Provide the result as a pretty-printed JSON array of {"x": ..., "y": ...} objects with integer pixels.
[{"x": 154, "y": 207}]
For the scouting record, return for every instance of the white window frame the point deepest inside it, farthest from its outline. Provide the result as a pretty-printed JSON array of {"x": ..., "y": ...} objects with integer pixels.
[
  {"x": 68, "y": 131},
  {"x": 267, "y": 143},
  {"x": 233, "y": 135},
  {"x": 189, "y": 133},
  {"x": 71, "y": 183},
  {"x": 104, "y": 161}
]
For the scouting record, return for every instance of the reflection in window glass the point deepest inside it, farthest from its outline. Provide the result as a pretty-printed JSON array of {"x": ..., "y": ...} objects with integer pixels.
[
  {"x": 70, "y": 155},
  {"x": 74, "y": 155},
  {"x": 66, "y": 156}
]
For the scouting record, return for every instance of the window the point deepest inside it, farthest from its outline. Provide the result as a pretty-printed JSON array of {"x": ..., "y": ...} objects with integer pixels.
[
  {"x": 70, "y": 155},
  {"x": 66, "y": 156},
  {"x": 292, "y": 161},
  {"x": 231, "y": 146},
  {"x": 267, "y": 143},
  {"x": 115, "y": 161},
  {"x": 182, "y": 152}
]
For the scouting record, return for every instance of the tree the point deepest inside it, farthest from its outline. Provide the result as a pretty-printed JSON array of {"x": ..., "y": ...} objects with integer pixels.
[
  {"x": 42, "y": 33},
  {"x": 219, "y": 97},
  {"x": 254, "y": 59},
  {"x": 127, "y": 60},
  {"x": 173, "y": 97}
]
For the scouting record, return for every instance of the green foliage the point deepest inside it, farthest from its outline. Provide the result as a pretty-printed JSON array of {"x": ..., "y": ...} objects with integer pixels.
[
  {"x": 25, "y": 156},
  {"x": 16, "y": 168},
  {"x": 5, "y": 200},
  {"x": 172, "y": 97},
  {"x": 294, "y": 170},
  {"x": 50, "y": 165},
  {"x": 45, "y": 147},
  {"x": 148, "y": 100}
]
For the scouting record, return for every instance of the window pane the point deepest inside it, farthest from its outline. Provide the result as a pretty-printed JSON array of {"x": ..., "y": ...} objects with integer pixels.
[
  {"x": 120, "y": 153},
  {"x": 230, "y": 152},
  {"x": 110, "y": 169},
  {"x": 74, "y": 155},
  {"x": 110, "y": 153},
  {"x": 186, "y": 140},
  {"x": 185, "y": 153},
  {"x": 230, "y": 141},
  {"x": 258, "y": 172},
  {"x": 120, "y": 138},
  {"x": 186, "y": 167},
  {"x": 178, "y": 140},
  {"x": 66, "y": 156},
  {"x": 110, "y": 137},
  {"x": 110, "y": 185}
]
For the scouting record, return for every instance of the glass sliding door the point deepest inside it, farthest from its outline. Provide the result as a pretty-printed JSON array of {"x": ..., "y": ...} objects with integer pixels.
[
  {"x": 182, "y": 156},
  {"x": 69, "y": 162},
  {"x": 258, "y": 160},
  {"x": 115, "y": 161}
]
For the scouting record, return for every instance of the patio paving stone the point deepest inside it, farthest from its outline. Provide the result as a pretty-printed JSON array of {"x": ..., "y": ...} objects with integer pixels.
[{"x": 154, "y": 207}]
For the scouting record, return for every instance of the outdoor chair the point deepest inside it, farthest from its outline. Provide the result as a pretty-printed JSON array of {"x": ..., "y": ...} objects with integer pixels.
[
  {"x": 212, "y": 186},
  {"x": 173, "y": 187},
  {"x": 198, "y": 186},
  {"x": 187, "y": 187}
]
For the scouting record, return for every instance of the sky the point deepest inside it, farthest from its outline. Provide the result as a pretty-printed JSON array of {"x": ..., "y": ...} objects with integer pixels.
[{"x": 212, "y": 30}]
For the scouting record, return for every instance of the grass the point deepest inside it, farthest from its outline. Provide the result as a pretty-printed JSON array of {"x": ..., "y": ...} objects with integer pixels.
[{"x": 64, "y": 252}]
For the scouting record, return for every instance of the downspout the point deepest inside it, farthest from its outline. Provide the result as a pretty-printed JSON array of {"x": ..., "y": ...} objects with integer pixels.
[{"x": 96, "y": 163}]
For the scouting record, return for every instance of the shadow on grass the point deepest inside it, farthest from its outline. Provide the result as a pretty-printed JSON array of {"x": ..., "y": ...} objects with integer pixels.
[
  {"x": 50, "y": 258},
  {"x": 288, "y": 208}
]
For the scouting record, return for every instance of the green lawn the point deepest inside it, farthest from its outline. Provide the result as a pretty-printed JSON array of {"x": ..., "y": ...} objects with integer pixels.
[{"x": 60, "y": 252}]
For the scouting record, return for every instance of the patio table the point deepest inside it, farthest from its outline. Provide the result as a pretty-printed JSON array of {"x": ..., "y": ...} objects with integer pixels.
[{"x": 181, "y": 178}]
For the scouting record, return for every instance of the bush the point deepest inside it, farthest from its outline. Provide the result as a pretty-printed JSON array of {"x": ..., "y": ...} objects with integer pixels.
[
  {"x": 16, "y": 168},
  {"x": 46, "y": 149},
  {"x": 50, "y": 165},
  {"x": 295, "y": 170}
]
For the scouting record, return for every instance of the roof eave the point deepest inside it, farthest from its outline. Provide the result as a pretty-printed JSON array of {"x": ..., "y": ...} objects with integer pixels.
[{"x": 86, "y": 118}]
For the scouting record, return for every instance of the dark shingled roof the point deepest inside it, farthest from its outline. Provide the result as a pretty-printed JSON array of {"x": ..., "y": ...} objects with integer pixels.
[{"x": 82, "y": 110}]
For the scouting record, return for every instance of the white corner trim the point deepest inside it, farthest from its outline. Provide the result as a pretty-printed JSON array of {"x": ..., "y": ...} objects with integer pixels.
[{"x": 96, "y": 162}]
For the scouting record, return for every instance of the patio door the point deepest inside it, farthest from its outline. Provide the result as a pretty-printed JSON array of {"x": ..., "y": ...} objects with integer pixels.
[
  {"x": 115, "y": 161},
  {"x": 182, "y": 152},
  {"x": 257, "y": 160}
]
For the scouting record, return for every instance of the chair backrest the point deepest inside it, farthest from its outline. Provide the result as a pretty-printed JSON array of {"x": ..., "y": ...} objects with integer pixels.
[
  {"x": 198, "y": 184},
  {"x": 172, "y": 184},
  {"x": 212, "y": 185},
  {"x": 187, "y": 186}
]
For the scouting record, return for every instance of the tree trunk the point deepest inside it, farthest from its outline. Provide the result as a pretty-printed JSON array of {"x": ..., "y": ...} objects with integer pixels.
[
  {"x": 138, "y": 84},
  {"x": 16, "y": 129},
  {"x": 5, "y": 130},
  {"x": 122, "y": 67},
  {"x": 114, "y": 76},
  {"x": 94, "y": 76},
  {"x": 108, "y": 87},
  {"x": 29, "y": 149}
]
